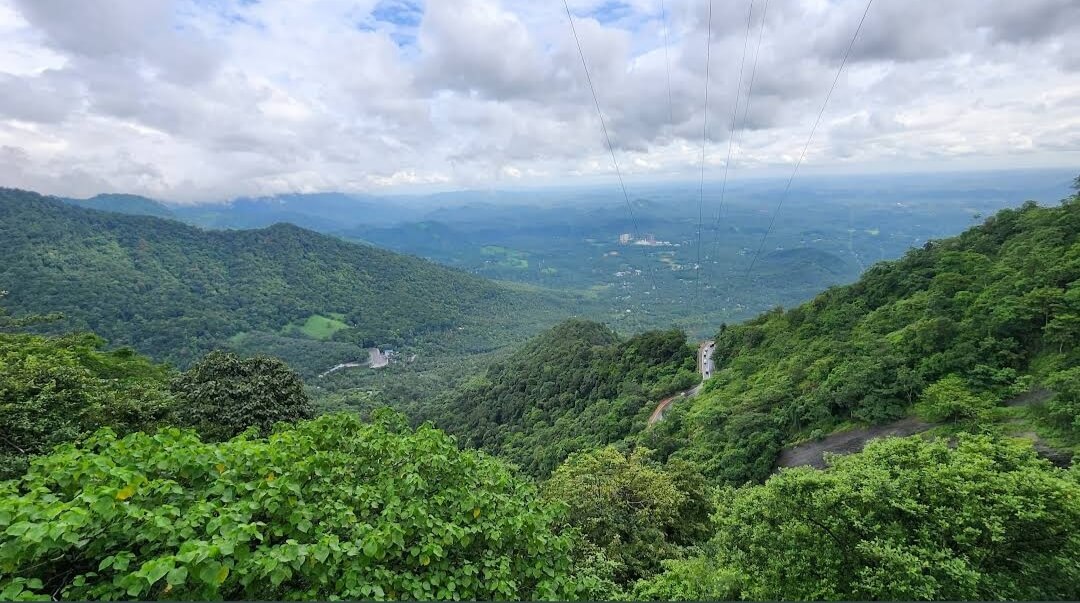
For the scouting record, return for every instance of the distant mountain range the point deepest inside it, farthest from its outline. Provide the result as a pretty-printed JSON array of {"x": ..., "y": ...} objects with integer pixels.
[{"x": 175, "y": 291}]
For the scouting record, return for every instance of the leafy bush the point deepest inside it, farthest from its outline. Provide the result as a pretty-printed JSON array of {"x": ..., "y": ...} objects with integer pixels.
[
  {"x": 59, "y": 389},
  {"x": 1064, "y": 408},
  {"x": 908, "y": 519},
  {"x": 949, "y": 399},
  {"x": 631, "y": 508},
  {"x": 694, "y": 579},
  {"x": 223, "y": 394},
  {"x": 328, "y": 508}
]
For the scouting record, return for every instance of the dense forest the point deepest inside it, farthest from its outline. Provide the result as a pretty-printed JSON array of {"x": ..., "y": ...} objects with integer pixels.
[
  {"x": 576, "y": 386},
  {"x": 981, "y": 317},
  {"x": 175, "y": 292},
  {"x": 339, "y": 507},
  {"x": 124, "y": 478}
]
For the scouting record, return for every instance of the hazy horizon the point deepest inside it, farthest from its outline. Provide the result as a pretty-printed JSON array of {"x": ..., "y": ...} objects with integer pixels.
[{"x": 211, "y": 100}]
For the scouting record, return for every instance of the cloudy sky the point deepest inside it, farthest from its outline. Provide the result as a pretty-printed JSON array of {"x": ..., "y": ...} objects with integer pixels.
[{"x": 208, "y": 99}]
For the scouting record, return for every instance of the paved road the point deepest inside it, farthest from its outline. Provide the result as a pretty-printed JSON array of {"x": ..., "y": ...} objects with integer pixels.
[
  {"x": 853, "y": 440},
  {"x": 705, "y": 368},
  {"x": 705, "y": 361}
]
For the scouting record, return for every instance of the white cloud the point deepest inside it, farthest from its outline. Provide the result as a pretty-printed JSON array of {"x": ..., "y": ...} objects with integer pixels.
[{"x": 207, "y": 100}]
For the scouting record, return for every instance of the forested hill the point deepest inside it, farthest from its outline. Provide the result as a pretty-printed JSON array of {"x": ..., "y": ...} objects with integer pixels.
[
  {"x": 125, "y": 204},
  {"x": 574, "y": 387},
  {"x": 175, "y": 291},
  {"x": 950, "y": 332}
]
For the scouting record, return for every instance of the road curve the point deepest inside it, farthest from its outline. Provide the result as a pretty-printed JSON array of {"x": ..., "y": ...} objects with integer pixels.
[{"x": 705, "y": 369}]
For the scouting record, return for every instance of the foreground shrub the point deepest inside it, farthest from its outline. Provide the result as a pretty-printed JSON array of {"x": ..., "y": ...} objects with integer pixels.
[{"x": 328, "y": 508}]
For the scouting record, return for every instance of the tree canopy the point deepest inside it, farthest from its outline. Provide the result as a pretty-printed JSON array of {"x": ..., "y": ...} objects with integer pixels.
[
  {"x": 328, "y": 508},
  {"x": 223, "y": 394},
  {"x": 905, "y": 519},
  {"x": 574, "y": 387}
]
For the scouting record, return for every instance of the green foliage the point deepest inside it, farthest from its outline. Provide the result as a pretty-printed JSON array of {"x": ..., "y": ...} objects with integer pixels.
[
  {"x": 575, "y": 387},
  {"x": 908, "y": 519},
  {"x": 319, "y": 327},
  {"x": 58, "y": 389},
  {"x": 693, "y": 579},
  {"x": 176, "y": 292},
  {"x": 1064, "y": 408},
  {"x": 324, "y": 509},
  {"x": 950, "y": 400},
  {"x": 223, "y": 395},
  {"x": 970, "y": 314},
  {"x": 631, "y": 508}
]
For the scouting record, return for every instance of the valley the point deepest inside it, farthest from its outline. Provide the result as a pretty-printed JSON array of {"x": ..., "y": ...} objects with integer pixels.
[
  {"x": 672, "y": 459},
  {"x": 501, "y": 300}
]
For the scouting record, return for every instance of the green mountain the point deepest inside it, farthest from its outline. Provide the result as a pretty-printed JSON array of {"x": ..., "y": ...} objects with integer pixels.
[
  {"x": 954, "y": 334},
  {"x": 175, "y": 291},
  {"x": 957, "y": 332},
  {"x": 125, "y": 204},
  {"x": 952, "y": 331},
  {"x": 576, "y": 386}
]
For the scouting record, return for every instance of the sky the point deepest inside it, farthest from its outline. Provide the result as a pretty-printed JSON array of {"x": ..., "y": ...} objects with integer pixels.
[{"x": 203, "y": 100}]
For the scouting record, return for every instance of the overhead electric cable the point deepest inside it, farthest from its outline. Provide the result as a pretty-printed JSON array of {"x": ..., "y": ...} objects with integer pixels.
[
  {"x": 734, "y": 113},
  {"x": 607, "y": 137},
  {"x": 704, "y": 139},
  {"x": 802, "y": 155},
  {"x": 735, "y": 131},
  {"x": 667, "y": 65}
]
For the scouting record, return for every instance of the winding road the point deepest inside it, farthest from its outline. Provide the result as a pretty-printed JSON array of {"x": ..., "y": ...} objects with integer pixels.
[{"x": 705, "y": 368}]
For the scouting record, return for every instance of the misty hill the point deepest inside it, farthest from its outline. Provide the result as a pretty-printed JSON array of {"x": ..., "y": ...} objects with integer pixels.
[
  {"x": 324, "y": 212},
  {"x": 175, "y": 291},
  {"x": 125, "y": 204}
]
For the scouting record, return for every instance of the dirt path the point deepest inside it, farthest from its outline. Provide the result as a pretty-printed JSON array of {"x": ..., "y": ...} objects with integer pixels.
[{"x": 853, "y": 440}]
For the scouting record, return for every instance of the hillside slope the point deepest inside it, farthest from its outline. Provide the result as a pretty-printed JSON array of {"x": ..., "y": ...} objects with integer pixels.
[
  {"x": 950, "y": 330},
  {"x": 576, "y": 386},
  {"x": 125, "y": 204},
  {"x": 175, "y": 291}
]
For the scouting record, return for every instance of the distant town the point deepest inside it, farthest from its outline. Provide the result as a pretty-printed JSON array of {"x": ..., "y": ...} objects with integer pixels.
[{"x": 649, "y": 240}]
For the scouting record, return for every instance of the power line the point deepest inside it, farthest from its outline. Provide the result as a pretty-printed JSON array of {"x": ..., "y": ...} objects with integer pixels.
[
  {"x": 603, "y": 124},
  {"x": 667, "y": 64},
  {"x": 746, "y": 112},
  {"x": 607, "y": 137},
  {"x": 704, "y": 138},
  {"x": 802, "y": 155},
  {"x": 735, "y": 113}
]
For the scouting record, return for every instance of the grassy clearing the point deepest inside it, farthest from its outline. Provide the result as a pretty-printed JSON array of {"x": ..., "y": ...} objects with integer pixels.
[
  {"x": 318, "y": 326},
  {"x": 506, "y": 258}
]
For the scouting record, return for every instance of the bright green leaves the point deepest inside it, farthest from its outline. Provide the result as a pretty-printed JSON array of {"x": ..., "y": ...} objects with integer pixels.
[
  {"x": 126, "y": 492},
  {"x": 177, "y": 576},
  {"x": 354, "y": 510},
  {"x": 908, "y": 519},
  {"x": 213, "y": 573},
  {"x": 371, "y": 548},
  {"x": 58, "y": 389}
]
